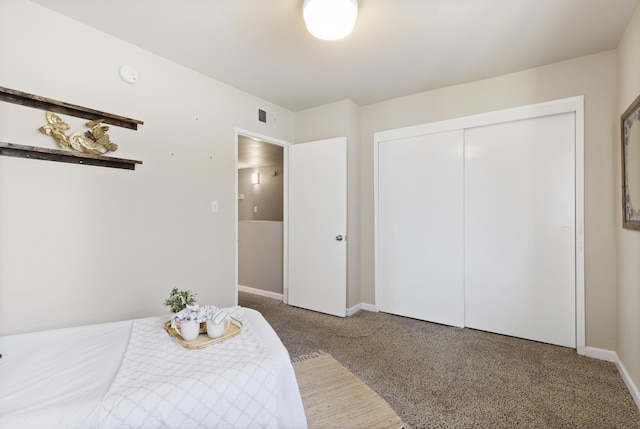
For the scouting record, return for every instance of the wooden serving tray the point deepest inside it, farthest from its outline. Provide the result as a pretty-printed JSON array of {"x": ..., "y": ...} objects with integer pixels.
[{"x": 203, "y": 339}]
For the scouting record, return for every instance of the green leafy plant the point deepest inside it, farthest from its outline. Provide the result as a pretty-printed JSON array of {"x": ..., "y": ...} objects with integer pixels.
[{"x": 179, "y": 299}]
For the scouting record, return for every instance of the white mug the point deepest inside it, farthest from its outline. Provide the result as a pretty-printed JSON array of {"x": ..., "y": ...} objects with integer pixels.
[
  {"x": 189, "y": 329},
  {"x": 217, "y": 326}
]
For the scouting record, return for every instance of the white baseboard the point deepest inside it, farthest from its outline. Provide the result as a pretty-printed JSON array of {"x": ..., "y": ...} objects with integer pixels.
[
  {"x": 633, "y": 389},
  {"x": 611, "y": 356},
  {"x": 362, "y": 306},
  {"x": 370, "y": 307},
  {"x": 353, "y": 310},
  {"x": 260, "y": 292},
  {"x": 602, "y": 354}
]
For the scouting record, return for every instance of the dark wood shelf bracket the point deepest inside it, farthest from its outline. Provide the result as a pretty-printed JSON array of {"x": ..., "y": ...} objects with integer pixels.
[
  {"x": 20, "y": 151},
  {"x": 30, "y": 100}
]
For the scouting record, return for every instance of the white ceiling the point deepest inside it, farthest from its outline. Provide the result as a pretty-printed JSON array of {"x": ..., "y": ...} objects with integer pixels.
[{"x": 398, "y": 47}]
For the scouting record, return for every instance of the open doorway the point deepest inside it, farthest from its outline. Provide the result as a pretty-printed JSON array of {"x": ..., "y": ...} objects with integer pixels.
[{"x": 260, "y": 216}]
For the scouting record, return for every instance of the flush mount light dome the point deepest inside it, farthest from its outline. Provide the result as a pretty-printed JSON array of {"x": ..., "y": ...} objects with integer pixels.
[{"x": 330, "y": 19}]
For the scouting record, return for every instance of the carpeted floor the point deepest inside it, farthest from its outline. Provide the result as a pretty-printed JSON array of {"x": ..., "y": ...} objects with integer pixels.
[{"x": 437, "y": 376}]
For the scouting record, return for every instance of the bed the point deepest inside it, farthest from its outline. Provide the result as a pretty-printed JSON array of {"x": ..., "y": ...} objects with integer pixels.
[{"x": 134, "y": 374}]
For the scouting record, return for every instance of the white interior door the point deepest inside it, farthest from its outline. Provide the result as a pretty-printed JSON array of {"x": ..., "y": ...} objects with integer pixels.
[
  {"x": 520, "y": 229},
  {"x": 420, "y": 228},
  {"x": 317, "y": 226}
]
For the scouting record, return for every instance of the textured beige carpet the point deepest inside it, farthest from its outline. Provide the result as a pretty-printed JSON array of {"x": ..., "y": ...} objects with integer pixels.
[
  {"x": 335, "y": 398},
  {"x": 440, "y": 377}
]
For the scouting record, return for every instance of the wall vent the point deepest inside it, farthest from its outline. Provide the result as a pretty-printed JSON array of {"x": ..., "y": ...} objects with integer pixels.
[{"x": 267, "y": 118}]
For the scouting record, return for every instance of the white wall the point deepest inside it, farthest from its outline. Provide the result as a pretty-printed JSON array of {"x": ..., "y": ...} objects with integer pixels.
[
  {"x": 628, "y": 267},
  {"x": 82, "y": 244},
  {"x": 592, "y": 76}
]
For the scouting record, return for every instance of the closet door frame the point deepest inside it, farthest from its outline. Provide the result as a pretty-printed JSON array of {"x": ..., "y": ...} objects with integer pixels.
[{"x": 566, "y": 105}]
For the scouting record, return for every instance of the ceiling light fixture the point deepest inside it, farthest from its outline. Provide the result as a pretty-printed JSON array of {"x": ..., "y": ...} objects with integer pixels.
[{"x": 330, "y": 19}]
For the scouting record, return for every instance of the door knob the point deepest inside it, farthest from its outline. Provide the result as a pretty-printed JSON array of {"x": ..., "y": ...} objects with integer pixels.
[{"x": 339, "y": 238}]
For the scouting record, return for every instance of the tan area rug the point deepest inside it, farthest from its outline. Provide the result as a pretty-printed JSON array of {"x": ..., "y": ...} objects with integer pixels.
[{"x": 335, "y": 398}]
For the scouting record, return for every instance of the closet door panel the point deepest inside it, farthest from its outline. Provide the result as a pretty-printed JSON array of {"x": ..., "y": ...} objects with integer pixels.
[
  {"x": 420, "y": 228},
  {"x": 520, "y": 229}
]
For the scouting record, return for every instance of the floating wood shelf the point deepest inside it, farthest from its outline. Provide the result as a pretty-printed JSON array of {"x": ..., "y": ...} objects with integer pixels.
[
  {"x": 30, "y": 100},
  {"x": 20, "y": 151}
]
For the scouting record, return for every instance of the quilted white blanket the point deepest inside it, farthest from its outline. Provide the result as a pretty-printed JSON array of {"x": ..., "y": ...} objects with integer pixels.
[{"x": 162, "y": 384}]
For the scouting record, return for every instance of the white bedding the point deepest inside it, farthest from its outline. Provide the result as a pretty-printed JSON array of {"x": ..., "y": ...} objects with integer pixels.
[{"x": 60, "y": 378}]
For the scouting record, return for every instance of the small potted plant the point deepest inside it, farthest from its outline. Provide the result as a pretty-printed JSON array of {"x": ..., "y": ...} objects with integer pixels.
[
  {"x": 179, "y": 299},
  {"x": 186, "y": 322}
]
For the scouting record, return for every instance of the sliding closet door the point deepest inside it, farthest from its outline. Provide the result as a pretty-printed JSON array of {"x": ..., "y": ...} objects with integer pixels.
[
  {"x": 520, "y": 229},
  {"x": 420, "y": 228}
]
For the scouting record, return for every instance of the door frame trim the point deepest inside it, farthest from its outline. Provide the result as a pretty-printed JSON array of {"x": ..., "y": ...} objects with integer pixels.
[
  {"x": 566, "y": 105},
  {"x": 285, "y": 222}
]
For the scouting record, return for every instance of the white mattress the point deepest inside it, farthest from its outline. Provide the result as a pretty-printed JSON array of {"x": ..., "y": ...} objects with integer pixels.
[{"x": 58, "y": 378}]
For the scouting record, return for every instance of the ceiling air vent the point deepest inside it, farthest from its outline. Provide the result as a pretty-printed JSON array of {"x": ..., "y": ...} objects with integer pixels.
[{"x": 267, "y": 118}]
